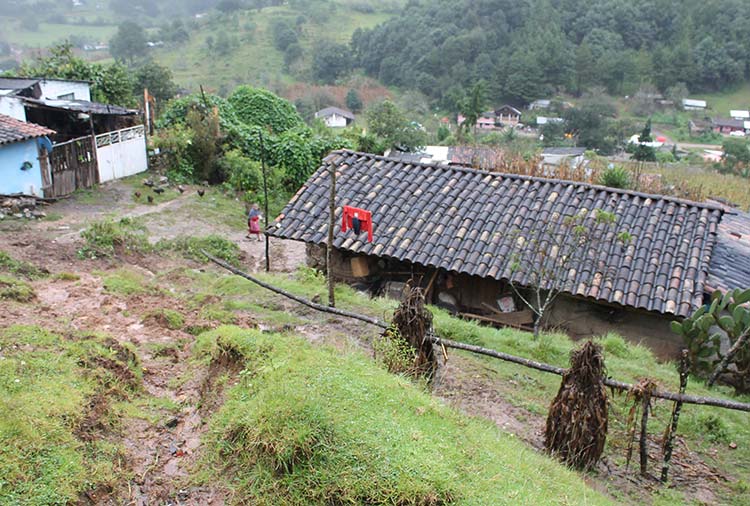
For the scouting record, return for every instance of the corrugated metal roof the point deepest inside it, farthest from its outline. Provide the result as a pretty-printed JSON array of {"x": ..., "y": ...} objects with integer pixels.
[
  {"x": 82, "y": 106},
  {"x": 467, "y": 221}
]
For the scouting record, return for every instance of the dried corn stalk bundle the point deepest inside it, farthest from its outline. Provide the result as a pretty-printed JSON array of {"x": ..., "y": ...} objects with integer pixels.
[
  {"x": 414, "y": 324},
  {"x": 577, "y": 422}
]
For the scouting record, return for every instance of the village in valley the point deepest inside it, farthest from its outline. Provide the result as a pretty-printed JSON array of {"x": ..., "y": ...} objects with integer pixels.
[{"x": 374, "y": 252}]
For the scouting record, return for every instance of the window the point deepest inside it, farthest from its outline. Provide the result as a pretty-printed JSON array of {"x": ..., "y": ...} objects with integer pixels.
[{"x": 67, "y": 96}]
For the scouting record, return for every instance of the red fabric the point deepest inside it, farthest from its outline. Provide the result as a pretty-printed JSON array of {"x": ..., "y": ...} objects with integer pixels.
[
  {"x": 365, "y": 218},
  {"x": 254, "y": 225}
]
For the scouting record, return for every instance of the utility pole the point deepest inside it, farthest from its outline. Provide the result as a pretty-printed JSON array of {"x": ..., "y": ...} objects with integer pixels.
[
  {"x": 265, "y": 198},
  {"x": 329, "y": 246}
]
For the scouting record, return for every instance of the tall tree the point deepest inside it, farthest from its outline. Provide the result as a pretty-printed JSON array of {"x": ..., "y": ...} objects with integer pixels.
[
  {"x": 129, "y": 43},
  {"x": 643, "y": 152},
  {"x": 473, "y": 106}
]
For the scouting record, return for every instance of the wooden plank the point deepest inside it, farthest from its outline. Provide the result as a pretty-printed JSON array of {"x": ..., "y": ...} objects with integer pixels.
[{"x": 516, "y": 318}]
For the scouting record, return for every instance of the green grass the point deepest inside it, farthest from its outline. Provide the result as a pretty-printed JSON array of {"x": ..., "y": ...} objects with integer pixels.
[
  {"x": 525, "y": 388},
  {"x": 709, "y": 183},
  {"x": 15, "y": 289},
  {"x": 192, "y": 247},
  {"x": 168, "y": 318},
  {"x": 720, "y": 103},
  {"x": 20, "y": 268},
  {"x": 256, "y": 61},
  {"x": 308, "y": 425},
  {"x": 46, "y": 385},
  {"x": 52, "y": 33},
  {"x": 126, "y": 282},
  {"x": 109, "y": 238}
]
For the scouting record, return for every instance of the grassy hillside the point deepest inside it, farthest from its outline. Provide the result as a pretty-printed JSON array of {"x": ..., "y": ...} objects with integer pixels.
[
  {"x": 255, "y": 60},
  {"x": 306, "y": 425}
]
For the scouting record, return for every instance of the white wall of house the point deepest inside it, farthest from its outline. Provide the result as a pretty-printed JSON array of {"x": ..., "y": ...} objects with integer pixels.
[
  {"x": 121, "y": 153},
  {"x": 335, "y": 121},
  {"x": 66, "y": 90},
  {"x": 13, "y": 107}
]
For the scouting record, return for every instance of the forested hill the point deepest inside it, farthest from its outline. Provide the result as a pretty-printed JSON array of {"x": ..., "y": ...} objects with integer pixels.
[{"x": 528, "y": 49}]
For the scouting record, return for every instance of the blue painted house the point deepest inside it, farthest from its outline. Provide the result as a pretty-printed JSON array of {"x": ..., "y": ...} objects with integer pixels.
[{"x": 23, "y": 157}]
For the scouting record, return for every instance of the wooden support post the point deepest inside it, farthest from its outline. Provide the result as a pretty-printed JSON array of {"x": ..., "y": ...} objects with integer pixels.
[
  {"x": 265, "y": 199},
  {"x": 643, "y": 443},
  {"x": 672, "y": 430},
  {"x": 329, "y": 245}
]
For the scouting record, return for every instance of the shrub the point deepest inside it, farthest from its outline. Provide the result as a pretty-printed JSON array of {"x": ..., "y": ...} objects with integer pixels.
[
  {"x": 109, "y": 238},
  {"x": 191, "y": 248},
  {"x": 665, "y": 157},
  {"x": 616, "y": 177},
  {"x": 258, "y": 107},
  {"x": 240, "y": 172}
]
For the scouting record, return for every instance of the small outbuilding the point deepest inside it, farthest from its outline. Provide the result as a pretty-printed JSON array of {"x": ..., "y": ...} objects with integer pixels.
[
  {"x": 23, "y": 157},
  {"x": 335, "y": 117}
]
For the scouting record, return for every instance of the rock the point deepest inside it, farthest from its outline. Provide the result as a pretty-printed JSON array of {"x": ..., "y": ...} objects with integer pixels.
[
  {"x": 38, "y": 214},
  {"x": 163, "y": 180}
]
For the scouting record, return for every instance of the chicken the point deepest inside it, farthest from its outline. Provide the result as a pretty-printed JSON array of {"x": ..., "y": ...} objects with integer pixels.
[
  {"x": 158, "y": 191},
  {"x": 150, "y": 199},
  {"x": 137, "y": 195},
  {"x": 148, "y": 182},
  {"x": 201, "y": 192},
  {"x": 180, "y": 188}
]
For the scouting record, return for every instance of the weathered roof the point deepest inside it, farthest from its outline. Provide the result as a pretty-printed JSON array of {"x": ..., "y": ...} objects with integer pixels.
[
  {"x": 564, "y": 151},
  {"x": 466, "y": 221},
  {"x": 732, "y": 123},
  {"x": 507, "y": 107},
  {"x": 730, "y": 260},
  {"x": 330, "y": 111},
  {"x": 16, "y": 83},
  {"x": 13, "y": 130},
  {"x": 82, "y": 106},
  {"x": 691, "y": 102}
]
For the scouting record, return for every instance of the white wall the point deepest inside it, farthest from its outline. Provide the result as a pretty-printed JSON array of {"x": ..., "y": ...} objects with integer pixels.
[
  {"x": 54, "y": 89},
  {"x": 13, "y": 107},
  {"x": 335, "y": 121},
  {"x": 121, "y": 153}
]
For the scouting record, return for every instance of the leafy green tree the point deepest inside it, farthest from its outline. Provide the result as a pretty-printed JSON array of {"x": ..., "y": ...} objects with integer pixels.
[
  {"x": 283, "y": 34},
  {"x": 589, "y": 123},
  {"x": 157, "y": 79},
  {"x": 111, "y": 84},
  {"x": 129, "y": 43},
  {"x": 473, "y": 105},
  {"x": 261, "y": 108},
  {"x": 292, "y": 53},
  {"x": 643, "y": 152},
  {"x": 353, "y": 101},
  {"x": 387, "y": 122},
  {"x": 330, "y": 61},
  {"x": 736, "y": 154}
]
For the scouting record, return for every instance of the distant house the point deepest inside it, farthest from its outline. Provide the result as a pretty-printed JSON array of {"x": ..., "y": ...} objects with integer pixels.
[
  {"x": 557, "y": 156},
  {"x": 727, "y": 126},
  {"x": 455, "y": 225},
  {"x": 64, "y": 89},
  {"x": 467, "y": 156},
  {"x": 690, "y": 104},
  {"x": 544, "y": 120},
  {"x": 739, "y": 114},
  {"x": 335, "y": 117},
  {"x": 499, "y": 118},
  {"x": 508, "y": 115},
  {"x": 23, "y": 157},
  {"x": 699, "y": 127},
  {"x": 542, "y": 103}
]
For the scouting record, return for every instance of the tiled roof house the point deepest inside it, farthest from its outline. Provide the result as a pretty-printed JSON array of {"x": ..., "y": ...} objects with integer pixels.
[{"x": 461, "y": 220}]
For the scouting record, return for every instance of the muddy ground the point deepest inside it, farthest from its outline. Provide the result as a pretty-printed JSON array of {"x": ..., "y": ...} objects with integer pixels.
[{"x": 160, "y": 449}]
